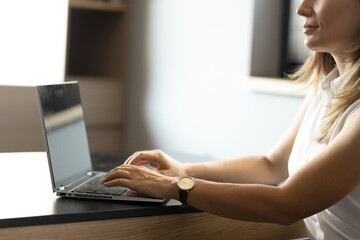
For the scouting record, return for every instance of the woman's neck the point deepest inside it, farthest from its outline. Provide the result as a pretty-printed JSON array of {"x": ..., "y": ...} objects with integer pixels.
[{"x": 340, "y": 63}]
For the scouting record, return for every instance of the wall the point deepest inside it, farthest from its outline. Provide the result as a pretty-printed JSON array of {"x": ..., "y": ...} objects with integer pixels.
[{"x": 187, "y": 62}]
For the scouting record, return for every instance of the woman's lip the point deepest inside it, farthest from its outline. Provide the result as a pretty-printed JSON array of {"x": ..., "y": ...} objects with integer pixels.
[{"x": 308, "y": 28}]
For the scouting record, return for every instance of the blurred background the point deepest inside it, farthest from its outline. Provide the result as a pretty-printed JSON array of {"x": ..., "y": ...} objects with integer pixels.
[{"x": 201, "y": 77}]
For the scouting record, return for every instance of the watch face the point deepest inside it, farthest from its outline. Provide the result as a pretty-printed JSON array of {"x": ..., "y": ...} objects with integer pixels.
[{"x": 186, "y": 183}]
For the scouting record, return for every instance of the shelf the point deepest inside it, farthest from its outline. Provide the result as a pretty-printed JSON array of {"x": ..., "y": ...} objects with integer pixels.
[
  {"x": 96, "y": 58},
  {"x": 79, "y": 78},
  {"x": 96, "y": 43},
  {"x": 99, "y": 5}
]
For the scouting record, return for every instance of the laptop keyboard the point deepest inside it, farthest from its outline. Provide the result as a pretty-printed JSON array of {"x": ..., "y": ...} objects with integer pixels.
[{"x": 93, "y": 185}]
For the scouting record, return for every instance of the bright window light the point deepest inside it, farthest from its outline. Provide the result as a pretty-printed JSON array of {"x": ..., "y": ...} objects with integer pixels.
[{"x": 32, "y": 41}]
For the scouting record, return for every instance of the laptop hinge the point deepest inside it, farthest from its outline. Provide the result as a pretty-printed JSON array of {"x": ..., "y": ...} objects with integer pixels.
[{"x": 61, "y": 188}]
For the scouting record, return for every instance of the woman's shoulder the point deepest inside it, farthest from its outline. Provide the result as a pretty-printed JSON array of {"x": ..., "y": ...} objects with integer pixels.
[{"x": 351, "y": 116}]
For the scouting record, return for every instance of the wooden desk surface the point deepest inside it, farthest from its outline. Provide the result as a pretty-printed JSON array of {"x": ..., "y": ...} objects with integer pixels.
[
  {"x": 29, "y": 209},
  {"x": 177, "y": 226}
]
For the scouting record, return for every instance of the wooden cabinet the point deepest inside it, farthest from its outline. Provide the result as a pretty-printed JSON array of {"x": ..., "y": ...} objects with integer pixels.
[{"x": 96, "y": 57}]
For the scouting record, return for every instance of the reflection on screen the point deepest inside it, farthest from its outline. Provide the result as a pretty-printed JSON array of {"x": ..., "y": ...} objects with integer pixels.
[{"x": 65, "y": 133}]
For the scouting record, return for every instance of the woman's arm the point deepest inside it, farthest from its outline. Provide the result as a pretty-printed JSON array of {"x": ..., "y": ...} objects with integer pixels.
[
  {"x": 325, "y": 180},
  {"x": 267, "y": 169}
]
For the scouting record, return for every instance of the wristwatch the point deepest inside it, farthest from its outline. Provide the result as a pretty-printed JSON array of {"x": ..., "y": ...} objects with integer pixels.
[{"x": 185, "y": 184}]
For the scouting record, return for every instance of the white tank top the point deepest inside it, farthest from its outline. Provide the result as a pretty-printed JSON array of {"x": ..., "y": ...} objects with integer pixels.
[{"x": 341, "y": 220}]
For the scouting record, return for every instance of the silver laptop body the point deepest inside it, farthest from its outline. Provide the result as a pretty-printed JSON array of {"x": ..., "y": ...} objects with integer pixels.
[{"x": 67, "y": 147}]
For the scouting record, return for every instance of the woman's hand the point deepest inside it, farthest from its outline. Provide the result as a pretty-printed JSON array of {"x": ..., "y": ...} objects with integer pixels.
[
  {"x": 142, "y": 180},
  {"x": 157, "y": 159}
]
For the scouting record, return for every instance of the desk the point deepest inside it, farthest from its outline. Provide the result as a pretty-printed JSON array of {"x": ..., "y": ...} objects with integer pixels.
[{"x": 30, "y": 210}]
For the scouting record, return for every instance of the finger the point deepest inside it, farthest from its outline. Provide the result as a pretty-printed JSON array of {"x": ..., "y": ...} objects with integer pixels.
[
  {"x": 150, "y": 156},
  {"x": 130, "y": 158},
  {"x": 152, "y": 164},
  {"x": 118, "y": 182},
  {"x": 111, "y": 171},
  {"x": 120, "y": 173},
  {"x": 138, "y": 156},
  {"x": 123, "y": 169},
  {"x": 141, "y": 162}
]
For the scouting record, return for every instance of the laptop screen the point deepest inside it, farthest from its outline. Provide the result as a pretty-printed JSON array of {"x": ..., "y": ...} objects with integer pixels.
[{"x": 64, "y": 131}]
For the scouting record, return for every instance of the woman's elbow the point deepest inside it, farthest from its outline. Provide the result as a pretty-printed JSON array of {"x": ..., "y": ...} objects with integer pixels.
[
  {"x": 288, "y": 220},
  {"x": 287, "y": 214}
]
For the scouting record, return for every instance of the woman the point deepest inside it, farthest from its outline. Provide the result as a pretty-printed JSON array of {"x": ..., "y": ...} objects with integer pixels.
[{"x": 318, "y": 157}]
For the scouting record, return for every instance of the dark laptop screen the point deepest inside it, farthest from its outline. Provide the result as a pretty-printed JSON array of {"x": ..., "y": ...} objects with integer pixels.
[{"x": 64, "y": 131}]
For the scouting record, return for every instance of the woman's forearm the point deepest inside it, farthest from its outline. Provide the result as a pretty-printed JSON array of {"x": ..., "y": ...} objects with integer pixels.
[
  {"x": 248, "y": 202},
  {"x": 250, "y": 169}
]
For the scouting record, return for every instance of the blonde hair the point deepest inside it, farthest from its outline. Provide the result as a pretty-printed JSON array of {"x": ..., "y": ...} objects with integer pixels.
[{"x": 319, "y": 65}]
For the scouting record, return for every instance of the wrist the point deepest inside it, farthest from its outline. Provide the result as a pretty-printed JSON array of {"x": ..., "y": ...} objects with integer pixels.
[
  {"x": 174, "y": 190},
  {"x": 196, "y": 170},
  {"x": 188, "y": 169}
]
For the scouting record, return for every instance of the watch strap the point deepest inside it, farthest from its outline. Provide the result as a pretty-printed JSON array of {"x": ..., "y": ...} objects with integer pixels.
[{"x": 183, "y": 197}]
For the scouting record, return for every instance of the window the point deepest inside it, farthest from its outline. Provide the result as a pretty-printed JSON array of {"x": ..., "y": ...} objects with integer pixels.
[{"x": 33, "y": 41}]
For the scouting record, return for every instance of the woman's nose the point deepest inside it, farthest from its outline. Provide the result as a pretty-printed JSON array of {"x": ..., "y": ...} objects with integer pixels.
[{"x": 305, "y": 9}]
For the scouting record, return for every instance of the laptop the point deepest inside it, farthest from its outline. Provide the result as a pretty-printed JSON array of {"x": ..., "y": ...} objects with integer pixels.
[{"x": 67, "y": 147}]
